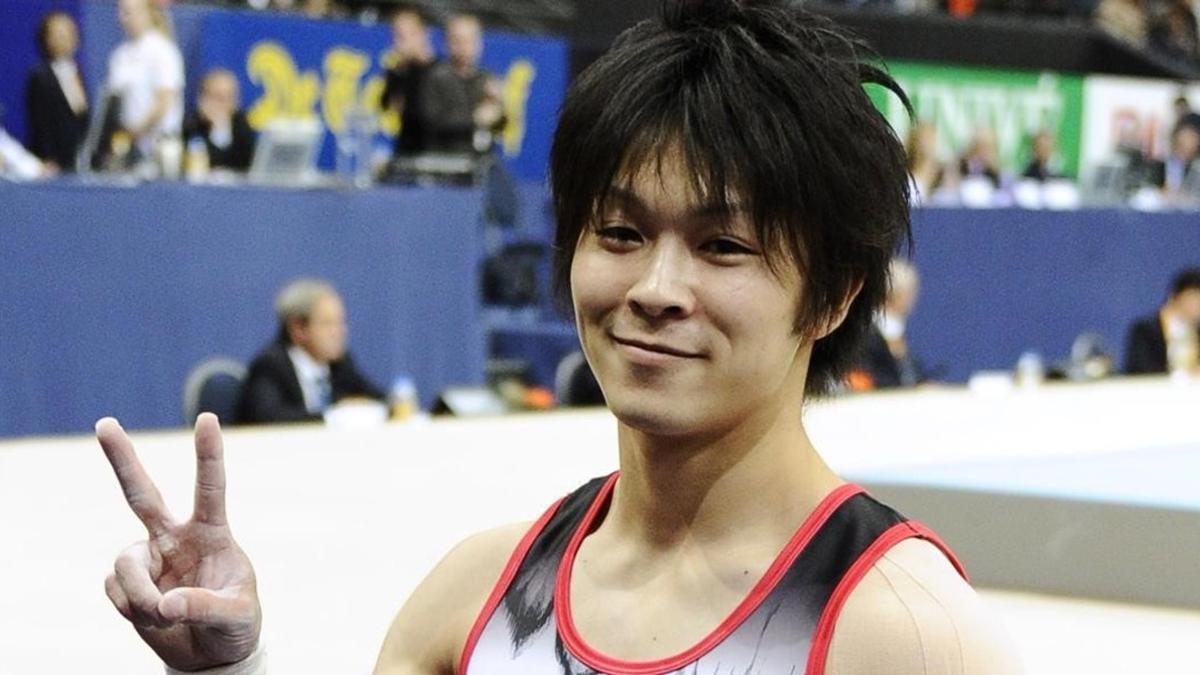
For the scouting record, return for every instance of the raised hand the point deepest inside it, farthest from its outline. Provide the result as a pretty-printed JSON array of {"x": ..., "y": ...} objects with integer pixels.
[{"x": 189, "y": 590}]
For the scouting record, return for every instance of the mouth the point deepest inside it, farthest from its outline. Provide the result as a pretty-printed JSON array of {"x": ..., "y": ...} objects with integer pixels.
[{"x": 655, "y": 348}]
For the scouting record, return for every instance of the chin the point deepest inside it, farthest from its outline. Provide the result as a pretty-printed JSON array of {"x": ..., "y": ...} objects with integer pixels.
[{"x": 654, "y": 416}]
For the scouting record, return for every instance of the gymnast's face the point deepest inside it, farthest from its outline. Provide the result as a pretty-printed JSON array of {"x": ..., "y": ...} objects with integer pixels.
[{"x": 687, "y": 329}]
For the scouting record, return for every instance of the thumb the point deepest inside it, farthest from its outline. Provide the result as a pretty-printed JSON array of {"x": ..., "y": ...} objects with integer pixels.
[{"x": 201, "y": 606}]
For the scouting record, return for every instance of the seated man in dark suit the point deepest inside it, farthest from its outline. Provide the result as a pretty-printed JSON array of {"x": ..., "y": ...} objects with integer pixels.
[
  {"x": 1169, "y": 340},
  {"x": 307, "y": 369},
  {"x": 1171, "y": 174},
  {"x": 886, "y": 361},
  {"x": 220, "y": 123}
]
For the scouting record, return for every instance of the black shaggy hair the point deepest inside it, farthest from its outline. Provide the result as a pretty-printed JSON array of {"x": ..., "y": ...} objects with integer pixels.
[
  {"x": 1185, "y": 280},
  {"x": 766, "y": 102}
]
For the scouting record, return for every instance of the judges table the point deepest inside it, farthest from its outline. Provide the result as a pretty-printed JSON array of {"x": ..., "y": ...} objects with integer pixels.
[
  {"x": 111, "y": 293},
  {"x": 342, "y": 524}
]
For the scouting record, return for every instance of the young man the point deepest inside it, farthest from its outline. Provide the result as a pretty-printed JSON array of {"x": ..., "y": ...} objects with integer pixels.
[{"x": 727, "y": 202}]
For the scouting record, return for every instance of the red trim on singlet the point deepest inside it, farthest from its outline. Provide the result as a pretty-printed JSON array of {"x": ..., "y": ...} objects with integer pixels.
[
  {"x": 606, "y": 664},
  {"x": 818, "y": 652},
  {"x": 501, "y": 587}
]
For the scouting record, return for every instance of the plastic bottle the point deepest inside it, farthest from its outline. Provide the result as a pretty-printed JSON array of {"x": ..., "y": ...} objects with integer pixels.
[
  {"x": 403, "y": 398},
  {"x": 197, "y": 160}
]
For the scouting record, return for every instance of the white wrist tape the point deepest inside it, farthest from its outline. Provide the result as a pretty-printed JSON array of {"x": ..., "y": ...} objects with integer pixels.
[{"x": 255, "y": 664}]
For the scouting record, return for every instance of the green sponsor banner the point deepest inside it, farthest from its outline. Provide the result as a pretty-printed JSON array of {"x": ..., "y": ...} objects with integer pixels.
[{"x": 1015, "y": 104}]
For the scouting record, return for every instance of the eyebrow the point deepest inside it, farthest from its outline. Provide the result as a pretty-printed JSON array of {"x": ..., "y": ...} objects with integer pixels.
[{"x": 710, "y": 209}]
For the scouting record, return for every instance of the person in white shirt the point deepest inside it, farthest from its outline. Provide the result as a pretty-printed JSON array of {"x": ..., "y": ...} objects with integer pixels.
[{"x": 146, "y": 72}]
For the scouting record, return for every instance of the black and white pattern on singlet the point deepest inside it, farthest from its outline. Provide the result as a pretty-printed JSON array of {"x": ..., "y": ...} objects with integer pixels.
[{"x": 524, "y": 636}]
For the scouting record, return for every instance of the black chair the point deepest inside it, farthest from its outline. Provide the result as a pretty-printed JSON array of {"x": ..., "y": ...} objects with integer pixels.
[{"x": 213, "y": 386}]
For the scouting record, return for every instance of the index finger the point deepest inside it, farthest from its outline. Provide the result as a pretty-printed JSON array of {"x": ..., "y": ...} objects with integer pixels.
[
  {"x": 140, "y": 492},
  {"x": 210, "y": 471}
]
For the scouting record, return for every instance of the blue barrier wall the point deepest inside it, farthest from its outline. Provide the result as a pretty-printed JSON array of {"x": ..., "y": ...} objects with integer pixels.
[
  {"x": 999, "y": 282},
  {"x": 108, "y": 295}
]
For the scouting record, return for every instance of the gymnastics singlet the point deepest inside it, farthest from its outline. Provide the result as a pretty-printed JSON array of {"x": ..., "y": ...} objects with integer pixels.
[{"x": 783, "y": 627}]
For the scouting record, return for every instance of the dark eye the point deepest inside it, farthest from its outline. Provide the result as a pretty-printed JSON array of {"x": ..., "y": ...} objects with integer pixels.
[
  {"x": 618, "y": 235},
  {"x": 728, "y": 247}
]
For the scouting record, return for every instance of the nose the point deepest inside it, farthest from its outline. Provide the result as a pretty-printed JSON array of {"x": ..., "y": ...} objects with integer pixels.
[{"x": 663, "y": 289}]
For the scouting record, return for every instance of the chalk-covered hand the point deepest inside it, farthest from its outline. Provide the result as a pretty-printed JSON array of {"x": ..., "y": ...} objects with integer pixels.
[{"x": 189, "y": 590}]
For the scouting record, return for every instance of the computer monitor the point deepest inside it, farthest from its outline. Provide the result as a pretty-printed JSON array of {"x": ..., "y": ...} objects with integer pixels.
[{"x": 286, "y": 153}]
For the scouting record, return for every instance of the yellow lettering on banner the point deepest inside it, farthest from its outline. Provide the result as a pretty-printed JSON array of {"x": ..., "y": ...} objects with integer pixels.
[
  {"x": 343, "y": 69},
  {"x": 515, "y": 96},
  {"x": 286, "y": 91}
]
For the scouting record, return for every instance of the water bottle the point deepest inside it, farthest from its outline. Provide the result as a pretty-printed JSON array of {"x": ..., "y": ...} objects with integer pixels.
[
  {"x": 1030, "y": 370},
  {"x": 403, "y": 398}
]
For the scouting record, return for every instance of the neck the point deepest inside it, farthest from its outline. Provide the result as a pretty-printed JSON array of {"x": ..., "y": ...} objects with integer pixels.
[{"x": 747, "y": 482}]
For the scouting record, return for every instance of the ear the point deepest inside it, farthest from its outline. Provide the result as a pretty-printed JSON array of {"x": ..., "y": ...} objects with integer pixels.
[
  {"x": 294, "y": 327},
  {"x": 838, "y": 315}
]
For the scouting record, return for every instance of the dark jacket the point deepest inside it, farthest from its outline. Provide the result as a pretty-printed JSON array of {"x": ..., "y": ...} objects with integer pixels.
[
  {"x": 271, "y": 391},
  {"x": 1146, "y": 347},
  {"x": 55, "y": 131},
  {"x": 403, "y": 90},
  {"x": 888, "y": 372},
  {"x": 240, "y": 151}
]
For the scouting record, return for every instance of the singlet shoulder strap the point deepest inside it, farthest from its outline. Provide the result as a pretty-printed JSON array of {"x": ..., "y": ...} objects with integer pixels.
[
  {"x": 545, "y": 539},
  {"x": 899, "y": 530}
]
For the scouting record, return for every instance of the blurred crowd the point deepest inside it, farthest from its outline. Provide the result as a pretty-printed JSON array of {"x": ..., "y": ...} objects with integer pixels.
[
  {"x": 138, "y": 121},
  {"x": 973, "y": 175}
]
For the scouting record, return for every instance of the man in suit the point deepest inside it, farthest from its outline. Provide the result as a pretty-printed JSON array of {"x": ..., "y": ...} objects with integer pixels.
[
  {"x": 220, "y": 123},
  {"x": 55, "y": 99},
  {"x": 1169, "y": 340},
  {"x": 307, "y": 369},
  {"x": 887, "y": 362},
  {"x": 1172, "y": 173}
]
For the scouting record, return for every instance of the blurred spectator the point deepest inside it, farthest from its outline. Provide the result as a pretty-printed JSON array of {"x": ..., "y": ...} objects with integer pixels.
[
  {"x": 1172, "y": 173},
  {"x": 1173, "y": 31},
  {"x": 1125, "y": 19},
  {"x": 980, "y": 159},
  {"x": 307, "y": 369},
  {"x": 1184, "y": 114},
  {"x": 460, "y": 103},
  {"x": 887, "y": 362},
  {"x": 55, "y": 98},
  {"x": 927, "y": 171},
  {"x": 408, "y": 62},
  {"x": 1041, "y": 150},
  {"x": 1170, "y": 339},
  {"x": 220, "y": 123},
  {"x": 146, "y": 72}
]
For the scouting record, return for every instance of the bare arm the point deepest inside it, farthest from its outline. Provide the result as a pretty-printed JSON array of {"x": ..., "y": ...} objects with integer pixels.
[{"x": 429, "y": 632}]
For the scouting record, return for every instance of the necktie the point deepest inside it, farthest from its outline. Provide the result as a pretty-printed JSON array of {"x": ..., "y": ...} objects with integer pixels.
[{"x": 324, "y": 392}]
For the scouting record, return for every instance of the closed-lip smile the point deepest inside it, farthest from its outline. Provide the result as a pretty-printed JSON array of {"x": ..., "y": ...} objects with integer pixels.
[{"x": 655, "y": 347}]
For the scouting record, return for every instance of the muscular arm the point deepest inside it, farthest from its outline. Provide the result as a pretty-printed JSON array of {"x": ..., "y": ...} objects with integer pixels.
[
  {"x": 913, "y": 615},
  {"x": 428, "y": 634}
]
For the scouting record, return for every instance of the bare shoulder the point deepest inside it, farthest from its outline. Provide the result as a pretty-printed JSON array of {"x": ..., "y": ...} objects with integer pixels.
[
  {"x": 913, "y": 613},
  {"x": 431, "y": 628}
]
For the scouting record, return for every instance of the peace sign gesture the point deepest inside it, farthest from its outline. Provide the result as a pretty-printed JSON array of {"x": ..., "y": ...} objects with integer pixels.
[{"x": 189, "y": 590}]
